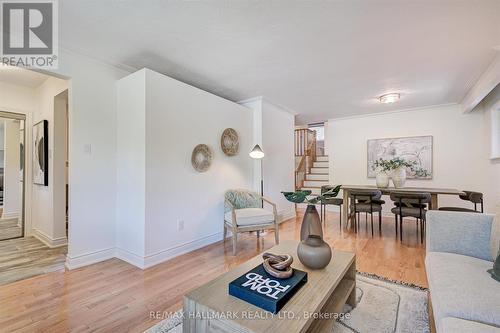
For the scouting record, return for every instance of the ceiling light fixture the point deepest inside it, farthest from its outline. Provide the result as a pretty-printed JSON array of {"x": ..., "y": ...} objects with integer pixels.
[{"x": 389, "y": 98}]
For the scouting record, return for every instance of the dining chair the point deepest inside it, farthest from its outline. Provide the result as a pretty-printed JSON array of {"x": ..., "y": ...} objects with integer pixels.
[
  {"x": 471, "y": 196},
  {"x": 330, "y": 201},
  {"x": 365, "y": 201},
  {"x": 243, "y": 212},
  {"x": 410, "y": 205}
]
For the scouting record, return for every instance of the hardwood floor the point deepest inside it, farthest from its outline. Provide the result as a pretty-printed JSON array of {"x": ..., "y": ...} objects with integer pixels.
[
  {"x": 9, "y": 229},
  {"x": 114, "y": 296},
  {"x": 23, "y": 258}
]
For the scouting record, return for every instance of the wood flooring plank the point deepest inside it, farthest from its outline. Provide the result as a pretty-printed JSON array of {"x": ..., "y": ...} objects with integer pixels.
[{"x": 113, "y": 296}]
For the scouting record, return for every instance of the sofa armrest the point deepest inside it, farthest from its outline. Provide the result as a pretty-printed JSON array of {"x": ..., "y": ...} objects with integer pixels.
[
  {"x": 275, "y": 210},
  {"x": 459, "y": 232}
]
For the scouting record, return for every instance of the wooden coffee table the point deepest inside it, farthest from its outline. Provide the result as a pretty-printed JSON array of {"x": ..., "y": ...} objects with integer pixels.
[{"x": 210, "y": 308}]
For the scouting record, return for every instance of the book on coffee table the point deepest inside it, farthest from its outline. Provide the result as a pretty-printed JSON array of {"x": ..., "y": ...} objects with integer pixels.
[{"x": 259, "y": 288}]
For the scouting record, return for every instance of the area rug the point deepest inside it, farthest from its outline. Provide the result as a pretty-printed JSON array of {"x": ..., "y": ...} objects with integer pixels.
[{"x": 383, "y": 306}]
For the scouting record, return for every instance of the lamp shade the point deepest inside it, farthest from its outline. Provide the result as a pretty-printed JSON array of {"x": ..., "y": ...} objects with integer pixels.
[{"x": 256, "y": 152}]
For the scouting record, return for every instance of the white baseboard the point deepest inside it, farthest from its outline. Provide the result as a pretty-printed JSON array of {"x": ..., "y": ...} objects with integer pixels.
[
  {"x": 167, "y": 254},
  {"x": 50, "y": 242},
  {"x": 89, "y": 258},
  {"x": 159, "y": 257},
  {"x": 130, "y": 257},
  {"x": 10, "y": 215},
  {"x": 286, "y": 214}
]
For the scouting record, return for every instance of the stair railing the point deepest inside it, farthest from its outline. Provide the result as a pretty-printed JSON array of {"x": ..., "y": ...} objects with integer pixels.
[{"x": 305, "y": 154}]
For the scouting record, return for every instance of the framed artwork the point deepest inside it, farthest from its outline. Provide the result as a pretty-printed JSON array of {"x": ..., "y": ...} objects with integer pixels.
[
  {"x": 41, "y": 153},
  {"x": 416, "y": 149}
]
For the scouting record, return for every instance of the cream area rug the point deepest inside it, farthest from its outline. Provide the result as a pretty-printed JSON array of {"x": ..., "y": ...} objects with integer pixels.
[{"x": 382, "y": 306}]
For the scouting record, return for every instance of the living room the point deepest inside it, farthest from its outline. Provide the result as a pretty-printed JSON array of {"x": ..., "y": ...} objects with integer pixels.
[{"x": 254, "y": 166}]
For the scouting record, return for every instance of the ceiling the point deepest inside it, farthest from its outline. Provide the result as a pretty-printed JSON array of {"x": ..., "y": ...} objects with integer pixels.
[
  {"x": 21, "y": 77},
  {"x": 321, "y": 59}
]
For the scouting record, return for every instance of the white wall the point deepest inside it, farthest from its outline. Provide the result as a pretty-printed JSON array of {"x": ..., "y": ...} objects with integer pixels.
[
  {"x": 460, "y": 156},
  {"x": 42, "y": 199},
  {"x": 274, "y": 132},
  {"x": 92, "y": 156},
  {"x": 177, "y": 118},
  {"x": 14, "y": 98},
  {"x": 279, "y": 163},
  {"x": 131, "y": 166},
  {"x": 485, "y": 109}
]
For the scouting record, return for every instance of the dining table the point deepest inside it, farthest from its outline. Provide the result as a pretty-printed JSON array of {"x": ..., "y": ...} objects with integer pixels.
[{"x": 434, "y": 192}]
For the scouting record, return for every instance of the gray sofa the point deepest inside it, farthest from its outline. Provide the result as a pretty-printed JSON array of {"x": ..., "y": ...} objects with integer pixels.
[{"x": 460, "y": 249}]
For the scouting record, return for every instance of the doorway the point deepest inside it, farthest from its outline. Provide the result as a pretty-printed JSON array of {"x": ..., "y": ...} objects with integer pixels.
[{"x": 61, "y": 162}]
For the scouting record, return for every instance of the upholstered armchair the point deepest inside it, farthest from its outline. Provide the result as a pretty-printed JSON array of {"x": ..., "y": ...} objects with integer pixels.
[{"x": 243, "y": 212}]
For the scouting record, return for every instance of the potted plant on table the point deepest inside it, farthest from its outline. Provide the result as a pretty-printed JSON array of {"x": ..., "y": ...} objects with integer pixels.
[
  {"x": 395, "y": 168},
  {"x": 312, "y": 251}
]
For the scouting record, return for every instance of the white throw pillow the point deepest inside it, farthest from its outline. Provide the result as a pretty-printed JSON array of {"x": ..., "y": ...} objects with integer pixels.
[{"x": 495, "y": 234}]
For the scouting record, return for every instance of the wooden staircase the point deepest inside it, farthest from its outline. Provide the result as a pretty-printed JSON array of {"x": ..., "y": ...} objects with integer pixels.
[
  {"x": 317, "y": 176},
  {"x": 311, "y": 170}
]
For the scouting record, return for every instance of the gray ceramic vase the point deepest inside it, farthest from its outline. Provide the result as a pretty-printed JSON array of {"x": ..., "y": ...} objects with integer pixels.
[
  {"x": 314, "y": 252},
  {"x": 311, "y": 223}
]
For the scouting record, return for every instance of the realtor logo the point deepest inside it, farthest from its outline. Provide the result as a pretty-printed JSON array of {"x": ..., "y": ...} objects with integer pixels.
[{"x": 29, "y": 33}]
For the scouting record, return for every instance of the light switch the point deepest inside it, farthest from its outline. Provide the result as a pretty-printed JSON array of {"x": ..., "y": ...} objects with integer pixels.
[{"x": 87, "y": 148}]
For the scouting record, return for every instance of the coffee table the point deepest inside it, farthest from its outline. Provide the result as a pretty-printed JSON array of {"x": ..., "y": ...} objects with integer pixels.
[{"x": 210, "y": 308}]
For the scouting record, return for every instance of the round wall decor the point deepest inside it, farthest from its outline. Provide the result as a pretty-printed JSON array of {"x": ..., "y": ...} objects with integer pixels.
[
  {"x": 201, "y": 158},
  {"x": 230, "y": 142}
]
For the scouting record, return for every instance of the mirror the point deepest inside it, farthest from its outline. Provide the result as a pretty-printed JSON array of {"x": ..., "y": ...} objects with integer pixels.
[{"x": 12, "y": 154}]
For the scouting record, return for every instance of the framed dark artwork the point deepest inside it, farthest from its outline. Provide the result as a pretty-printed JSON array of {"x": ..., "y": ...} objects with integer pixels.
[{"x": 41, "y": 153}]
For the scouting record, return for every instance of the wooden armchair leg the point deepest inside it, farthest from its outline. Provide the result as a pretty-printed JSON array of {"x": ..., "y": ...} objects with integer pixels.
[{"x": 235, "y": 240}]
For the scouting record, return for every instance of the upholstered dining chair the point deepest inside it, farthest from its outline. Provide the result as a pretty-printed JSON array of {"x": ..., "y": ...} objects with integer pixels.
[
  {"x": 471, "y": 196},
  {"x": 243, "y": 212},
  {"x": 410, "y": 205},
  {"x": 365, "y": 201},
  {"x": 330, "y": 201}
]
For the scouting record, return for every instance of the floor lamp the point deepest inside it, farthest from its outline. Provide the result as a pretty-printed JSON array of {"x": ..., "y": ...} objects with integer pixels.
[{"x": 258, "y": 154}]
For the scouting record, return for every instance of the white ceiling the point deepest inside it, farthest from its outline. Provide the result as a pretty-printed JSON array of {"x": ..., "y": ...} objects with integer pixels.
[
  {"x": 321, "y": 59},
  {"x": 21, "y": 77}
]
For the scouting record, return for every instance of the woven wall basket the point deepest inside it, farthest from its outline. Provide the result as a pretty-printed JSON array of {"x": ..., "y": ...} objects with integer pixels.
[
  {"x": 201, "y": 158},
  {"x": 230, "y": 142}
]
